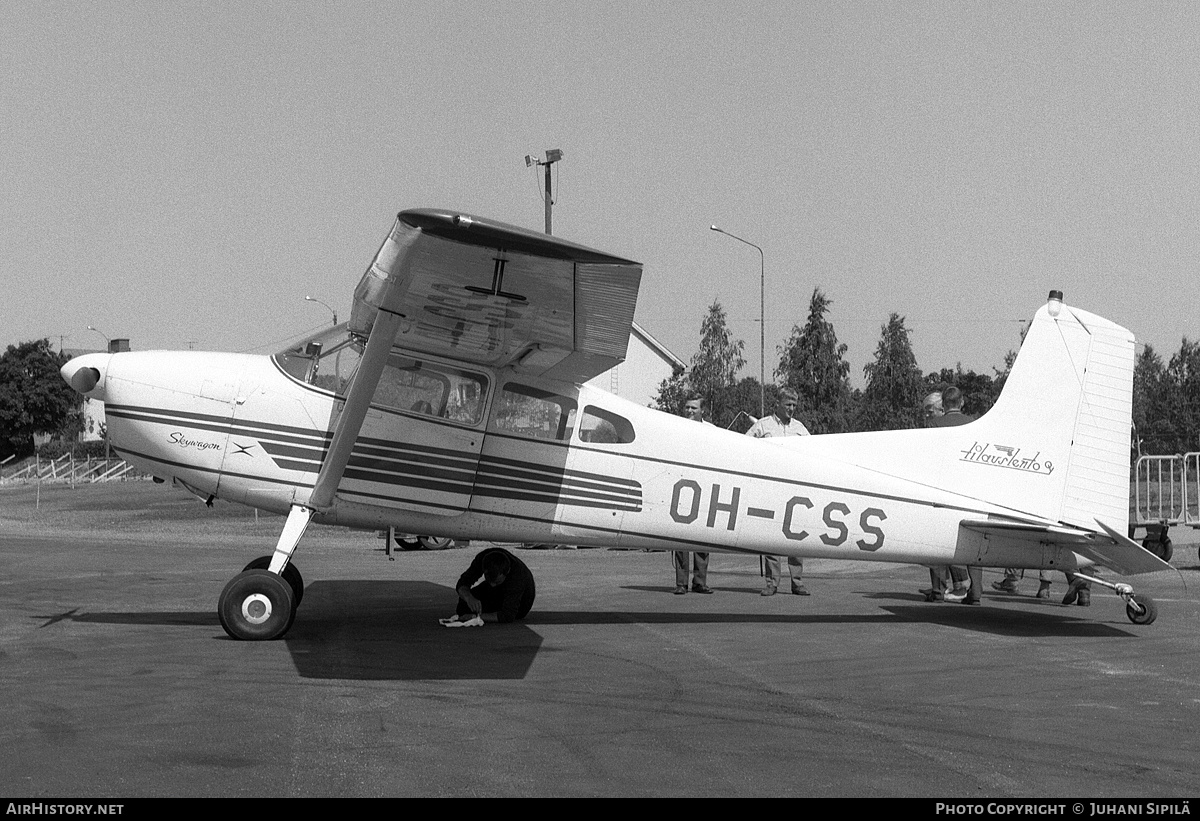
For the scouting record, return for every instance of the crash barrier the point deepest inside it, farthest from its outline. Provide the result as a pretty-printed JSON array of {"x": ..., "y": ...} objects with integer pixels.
[
  {"x": 70, "y": 470},
  {"x": 1166, "y": 490}
]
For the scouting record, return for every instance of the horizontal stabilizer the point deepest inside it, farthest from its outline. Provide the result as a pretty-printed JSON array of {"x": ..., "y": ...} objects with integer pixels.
[
  {"x": 1041, "y": 533},
  {"x": 1108, "y": 548},
  {"x": 1124, "y": 555}
]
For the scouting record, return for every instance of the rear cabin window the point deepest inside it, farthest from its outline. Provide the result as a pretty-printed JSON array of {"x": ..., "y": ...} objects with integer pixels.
[
  {"x": 604, "y": 427},
  {"x": 528, "y": 411},
  {"x": 431, "y": 389}
]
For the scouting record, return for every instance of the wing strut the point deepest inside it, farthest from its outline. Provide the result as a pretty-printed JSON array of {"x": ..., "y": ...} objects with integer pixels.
[{"x": 349, "y": 423}]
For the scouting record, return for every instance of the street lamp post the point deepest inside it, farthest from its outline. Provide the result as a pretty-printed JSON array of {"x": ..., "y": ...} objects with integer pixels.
[
  {"x": 762, "y": 320},
  {"x": 553, "y": 155},
  {"x": 106, "y": 339},
  {"x": 319, "y": 302}
]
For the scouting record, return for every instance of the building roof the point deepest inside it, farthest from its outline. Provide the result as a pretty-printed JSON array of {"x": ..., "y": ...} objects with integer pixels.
[{"x": 656, "y": 346}]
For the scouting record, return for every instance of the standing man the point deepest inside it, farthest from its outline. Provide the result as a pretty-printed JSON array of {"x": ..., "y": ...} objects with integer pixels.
[
  {"x": 968, "y": 581},
  {"x": 939, "y": 575},
  {"x": 693, "y": 409},
  {"x": 781, "y": 423}
]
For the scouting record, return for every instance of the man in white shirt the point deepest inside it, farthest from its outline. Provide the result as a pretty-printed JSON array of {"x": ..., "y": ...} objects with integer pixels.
[{"x": 781, "y": 423}]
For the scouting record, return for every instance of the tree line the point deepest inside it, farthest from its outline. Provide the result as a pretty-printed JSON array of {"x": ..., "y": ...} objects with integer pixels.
[
  {"x": 1166, "y": 395},
  {"x": 811, "y": 361},
  {"x": 34, "y": 399},
  {"x": 1166, "y": 400}
]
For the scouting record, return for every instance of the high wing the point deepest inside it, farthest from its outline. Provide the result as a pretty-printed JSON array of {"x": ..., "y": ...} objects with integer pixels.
[
  {"x": 482, "y": 292},
  {"x": 488, "y": 293}
]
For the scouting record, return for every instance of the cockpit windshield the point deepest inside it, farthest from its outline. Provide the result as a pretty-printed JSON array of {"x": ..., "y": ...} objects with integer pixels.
[{"x": 326, "y": 359}]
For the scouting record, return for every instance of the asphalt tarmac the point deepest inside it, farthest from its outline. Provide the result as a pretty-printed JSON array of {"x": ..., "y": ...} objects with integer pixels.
[{"x": 117, "y": 680}]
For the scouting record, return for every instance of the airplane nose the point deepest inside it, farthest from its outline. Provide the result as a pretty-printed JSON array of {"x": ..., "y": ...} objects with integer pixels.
[{"x": 85, "y": 373}]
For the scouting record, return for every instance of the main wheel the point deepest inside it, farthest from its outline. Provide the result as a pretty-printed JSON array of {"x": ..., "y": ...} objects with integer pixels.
[
  {"x": 1141, "y": 609},
  {"x": 256, "y": 605},
  {"x": 291, "y": 575},
  {"x": 435, "y": 542},
  {"x": 406, "y": 543},
  {"x": 1159, "y": 547}
]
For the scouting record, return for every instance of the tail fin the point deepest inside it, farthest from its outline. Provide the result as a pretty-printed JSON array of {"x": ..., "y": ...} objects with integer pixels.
[
  {"x": 1067, "y": 407},
  {"x": 1055, "y": 447}
]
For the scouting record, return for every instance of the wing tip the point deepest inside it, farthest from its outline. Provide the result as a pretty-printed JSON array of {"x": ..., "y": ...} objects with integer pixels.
[{"x": 459, "y": 226}]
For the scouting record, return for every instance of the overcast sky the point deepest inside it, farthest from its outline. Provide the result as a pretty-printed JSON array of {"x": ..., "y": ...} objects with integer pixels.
[{"x": 183, "y": 174}]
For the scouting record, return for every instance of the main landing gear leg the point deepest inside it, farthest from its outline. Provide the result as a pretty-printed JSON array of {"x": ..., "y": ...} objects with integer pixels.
[
  {"x": 1139, "y": 608},
  {"x": 260, "y": 603}
]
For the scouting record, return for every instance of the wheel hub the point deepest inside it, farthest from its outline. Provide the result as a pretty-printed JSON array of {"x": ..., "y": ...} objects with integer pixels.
[{"x": 256, "y": 608}]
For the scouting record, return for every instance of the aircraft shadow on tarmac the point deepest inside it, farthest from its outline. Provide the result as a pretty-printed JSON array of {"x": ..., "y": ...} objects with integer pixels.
[
  {"x": 389, "y": 630},
  {"x": 371, "y": 630},
  {"x": 1042, "y": 619}
]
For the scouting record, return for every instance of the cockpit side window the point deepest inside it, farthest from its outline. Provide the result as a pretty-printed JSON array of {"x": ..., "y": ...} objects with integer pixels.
[
  {"x": 431, "y": 389},
  {"x": 538, "y": 414},
  {"x": 605, "y": 427}
]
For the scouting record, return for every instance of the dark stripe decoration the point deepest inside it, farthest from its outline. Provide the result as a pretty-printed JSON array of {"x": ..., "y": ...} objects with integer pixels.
[
  {"x": 501, "y": 478},
  {"x": 408, "y": 465}
]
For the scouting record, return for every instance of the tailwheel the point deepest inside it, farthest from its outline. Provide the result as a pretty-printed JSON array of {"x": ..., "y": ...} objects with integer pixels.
[
  {"x": 290, "y": 575},
  {"x": 1141, "y": 609},
  {"x": 256, "y": 605}
]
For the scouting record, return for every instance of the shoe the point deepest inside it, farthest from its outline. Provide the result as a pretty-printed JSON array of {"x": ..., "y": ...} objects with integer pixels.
[
  {"x": 1085, "y": 597},
  {"x": 959, "y": 595},
  {"x": 927, "y": 591},
  {"x": 975, "y": 601},
  {"x": 1073, "y": 591},
  {"x": 1006, "y": 586},
  {"x": 769, "y": 590},
  {"x": 680, "y": 590},
  {"x": 800, "y": 590},
  {"x": 701, "y": 588},
  {"x": 1043, "y": 590},
  {"x": 935, "y": 595}
]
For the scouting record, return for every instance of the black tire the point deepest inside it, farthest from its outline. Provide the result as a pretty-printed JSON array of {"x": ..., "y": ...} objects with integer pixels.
[
  {"x": 407, "y": 544},
  {"x": 291, "y": 575},
  {"x": 1141, "y": 610},
  {"x": 1161, "y": 548},
  {"x": 435, "y": 542},
  {"x": 256, "y": 605}
]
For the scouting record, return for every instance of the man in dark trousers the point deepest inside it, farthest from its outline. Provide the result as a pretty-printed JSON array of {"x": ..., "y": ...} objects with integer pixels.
[
  {"x": 782, "y": 423},
  {"x": 693, "y": 409},
  {"x": 952, "y": 402},
  {"x": 496, "y": 588}
]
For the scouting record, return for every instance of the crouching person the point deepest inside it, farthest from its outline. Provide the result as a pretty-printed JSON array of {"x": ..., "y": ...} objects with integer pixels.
[{"x": 497, "y": 587}]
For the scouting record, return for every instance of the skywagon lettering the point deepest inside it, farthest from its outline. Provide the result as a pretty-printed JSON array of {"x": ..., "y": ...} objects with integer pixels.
[{"x": 184, "y": 442}]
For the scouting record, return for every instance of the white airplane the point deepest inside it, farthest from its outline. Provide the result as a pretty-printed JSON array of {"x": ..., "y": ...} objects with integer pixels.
[{"x": 452, "y": 404}]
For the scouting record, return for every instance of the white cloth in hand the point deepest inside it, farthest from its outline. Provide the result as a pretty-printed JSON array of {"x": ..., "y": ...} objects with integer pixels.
[{"x": 474, "y": 621}]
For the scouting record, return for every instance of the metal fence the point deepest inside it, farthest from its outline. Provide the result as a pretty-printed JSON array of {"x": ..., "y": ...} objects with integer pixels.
[
  {"x": 1166, "y": 489},
  {"x": 70, "y": 470}
]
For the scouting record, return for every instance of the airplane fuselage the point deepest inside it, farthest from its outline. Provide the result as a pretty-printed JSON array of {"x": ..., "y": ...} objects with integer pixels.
[{"x": 573, "y": 465}]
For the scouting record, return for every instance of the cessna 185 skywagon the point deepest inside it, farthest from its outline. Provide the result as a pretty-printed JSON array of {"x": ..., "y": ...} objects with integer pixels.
[{"x": 452, "y": 404}]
